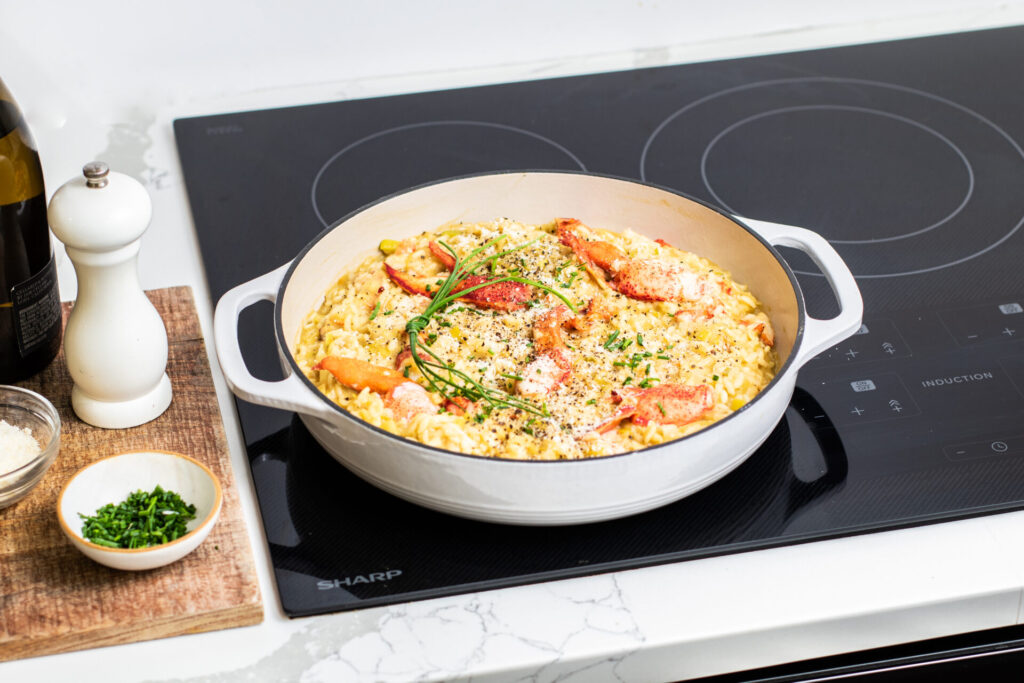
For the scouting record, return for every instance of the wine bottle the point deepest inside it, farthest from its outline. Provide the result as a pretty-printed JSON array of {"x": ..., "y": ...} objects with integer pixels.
[{"x": 30, "y": 314}]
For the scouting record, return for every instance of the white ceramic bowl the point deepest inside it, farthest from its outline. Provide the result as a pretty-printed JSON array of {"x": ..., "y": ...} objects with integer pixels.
[
  {"x": 112, "y": 479},
  {"x": 23, "y": 408}
]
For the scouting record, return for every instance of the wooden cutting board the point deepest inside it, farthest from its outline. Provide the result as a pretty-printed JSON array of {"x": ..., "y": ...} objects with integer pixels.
[{"x": 53, "y": 598}]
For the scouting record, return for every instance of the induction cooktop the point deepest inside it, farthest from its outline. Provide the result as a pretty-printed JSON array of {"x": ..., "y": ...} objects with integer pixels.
[{"x": 905, "y": 155}]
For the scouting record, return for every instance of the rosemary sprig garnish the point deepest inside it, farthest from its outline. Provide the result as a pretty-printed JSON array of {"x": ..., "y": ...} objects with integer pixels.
[{"x": 443, "y": 377}]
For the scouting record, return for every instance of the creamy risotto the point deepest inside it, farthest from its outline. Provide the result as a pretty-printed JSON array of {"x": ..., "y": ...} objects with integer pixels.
[{"x": 541, "y": 342}]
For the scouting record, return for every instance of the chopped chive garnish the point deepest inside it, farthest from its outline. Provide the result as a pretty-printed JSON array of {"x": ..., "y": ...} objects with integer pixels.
[
  {"x": 661, "y": 408},
  {"x": 388, "y": 312},
  {"x": 639, "y": 339},
  {"x": 373, "y": 313},
  {"x": 714, "y": 378},
  {"x": 662, "y": 356},
  {"x": 610, "y": 340},
  {"x": 405, "y": 373},
  {"x": 517, "y": 378},
  {"x": 141, "y": 520},
  {"x": 629, "y": 380},
  {"x": 592, "y": 401}
]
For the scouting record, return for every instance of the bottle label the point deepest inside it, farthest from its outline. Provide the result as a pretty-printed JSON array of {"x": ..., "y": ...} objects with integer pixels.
[{"x": 36, "y": 308}]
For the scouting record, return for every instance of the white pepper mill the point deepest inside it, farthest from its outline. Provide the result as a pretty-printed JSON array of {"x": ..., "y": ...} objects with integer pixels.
[{"x": 115, "y": 342}]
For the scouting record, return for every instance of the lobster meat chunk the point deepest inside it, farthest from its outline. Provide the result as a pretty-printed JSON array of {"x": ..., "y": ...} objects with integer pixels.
[
  {"x": 552, "y": 362},
  {"x": 648, "y": 279},
  {"x": 501, "y": 296},
  {"x": 405, "y": 398},
  {"x": 675, "y": 404}
]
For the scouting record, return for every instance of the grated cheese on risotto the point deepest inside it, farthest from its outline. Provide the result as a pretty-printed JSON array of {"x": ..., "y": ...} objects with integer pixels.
[{"x": 569, "y": 342}]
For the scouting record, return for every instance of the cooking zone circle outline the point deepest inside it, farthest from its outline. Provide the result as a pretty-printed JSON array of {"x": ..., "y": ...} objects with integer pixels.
[
  {"x": 427, "y": 124},
  {"x": 863, "y": 110},
  {"x": 973, "y": 115}
]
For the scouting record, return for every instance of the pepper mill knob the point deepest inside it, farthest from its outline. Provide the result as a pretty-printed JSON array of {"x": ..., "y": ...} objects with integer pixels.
[
  {"x": 115, "y": 343},
  {"x": 95, "y": 173}
]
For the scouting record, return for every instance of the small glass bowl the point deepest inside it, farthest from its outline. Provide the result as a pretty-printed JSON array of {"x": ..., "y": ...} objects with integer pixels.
[{"x": 23, "y": 408}]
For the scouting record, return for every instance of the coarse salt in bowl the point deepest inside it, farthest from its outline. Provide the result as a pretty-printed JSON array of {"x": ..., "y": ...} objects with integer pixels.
[
  {"x": 29, "y": 441},
  {"x": 113, "y": 479}
]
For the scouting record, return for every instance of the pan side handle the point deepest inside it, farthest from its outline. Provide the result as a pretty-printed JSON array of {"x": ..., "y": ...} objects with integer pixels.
[
  {"x": 286, "y": 394},
  {"x": 819, "y": 334}
]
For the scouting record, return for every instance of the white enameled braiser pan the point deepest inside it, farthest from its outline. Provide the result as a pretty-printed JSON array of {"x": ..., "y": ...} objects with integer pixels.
[{"x": 543, "y": 492}]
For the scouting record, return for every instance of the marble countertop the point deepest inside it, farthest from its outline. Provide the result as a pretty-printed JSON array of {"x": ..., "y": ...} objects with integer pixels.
[{"x": 106, "y": 82}]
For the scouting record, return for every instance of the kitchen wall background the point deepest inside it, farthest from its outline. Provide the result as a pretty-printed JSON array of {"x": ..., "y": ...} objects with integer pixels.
[
  {"x": 70, "y": 59},
  {"x": 104, "y": 80}
]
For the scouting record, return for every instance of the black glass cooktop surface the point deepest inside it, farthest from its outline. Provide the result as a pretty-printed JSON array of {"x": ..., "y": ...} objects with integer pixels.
[{"x": 906, "y": 155}]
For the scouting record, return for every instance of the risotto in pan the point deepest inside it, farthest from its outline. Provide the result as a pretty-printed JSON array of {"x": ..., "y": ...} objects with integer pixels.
[{"x": 537, "y": 342}]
